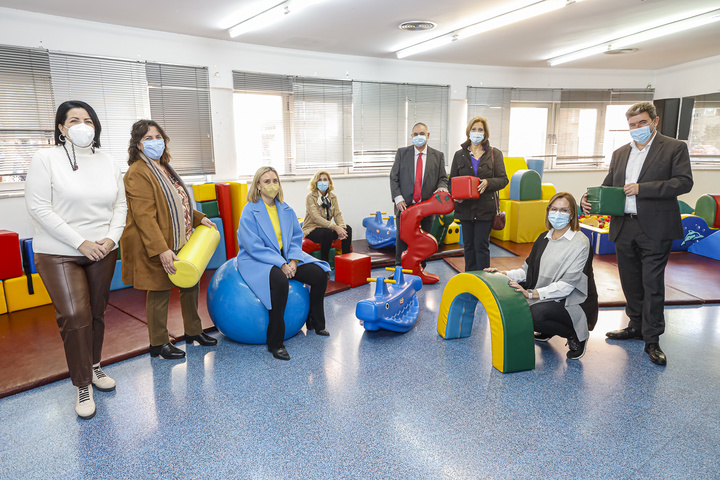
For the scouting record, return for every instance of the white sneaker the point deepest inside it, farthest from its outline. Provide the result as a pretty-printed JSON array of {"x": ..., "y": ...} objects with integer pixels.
[
  {"x": 84, "y": 403},
  {"x": 101, "y": 381}
]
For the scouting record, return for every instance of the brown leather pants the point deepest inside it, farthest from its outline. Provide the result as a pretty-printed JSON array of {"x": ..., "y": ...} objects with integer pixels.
[
  {"x": 156, "y": 308},
  {"x": 79, "y": 289}
]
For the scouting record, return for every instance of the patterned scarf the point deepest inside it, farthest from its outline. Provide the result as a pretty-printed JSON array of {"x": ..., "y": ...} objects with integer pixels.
[{"x": 175, "y": 203}]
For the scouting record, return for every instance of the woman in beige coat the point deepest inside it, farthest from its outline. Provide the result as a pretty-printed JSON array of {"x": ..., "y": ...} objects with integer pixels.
[
  {"x": 160, "y": 220},
  {"x": 323, "y": 221}
]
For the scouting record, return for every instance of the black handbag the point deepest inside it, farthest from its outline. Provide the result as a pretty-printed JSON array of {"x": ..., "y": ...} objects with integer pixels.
[{"x": 499, "y": 219}]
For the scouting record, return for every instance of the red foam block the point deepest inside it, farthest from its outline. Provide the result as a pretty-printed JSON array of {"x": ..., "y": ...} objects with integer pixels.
[
  {"x": 465, "y": 187},
  {"x": 308, "y": 246},
  {"x": 225, "y": 210},
  {"x": 10, "y": 256},
  {"x": 352, "y": 269}
]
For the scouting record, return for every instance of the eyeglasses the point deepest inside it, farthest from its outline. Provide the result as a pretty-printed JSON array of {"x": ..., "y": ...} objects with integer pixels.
[{"x": 562, "y": 210}]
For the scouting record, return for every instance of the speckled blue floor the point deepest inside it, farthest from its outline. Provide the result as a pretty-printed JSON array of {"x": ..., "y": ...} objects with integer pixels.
[{"x": 383, "y": 405}]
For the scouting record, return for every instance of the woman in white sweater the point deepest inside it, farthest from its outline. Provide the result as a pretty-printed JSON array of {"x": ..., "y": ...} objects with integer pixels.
[{"x": 76, "y": 199}]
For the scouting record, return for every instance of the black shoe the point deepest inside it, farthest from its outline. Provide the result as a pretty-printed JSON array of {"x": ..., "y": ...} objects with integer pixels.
[
  {"x": 657, "y": 356},
  {"x": 576, "y": 348},
  {"x": 322, "y": 332},
  {"x": 279, "y": 353},
  {"x": 542, "y": 337},
  {"x": 167, "y": 351},
  {"x": 628, "y": 333},
  {"x": 202, "y": 339}
]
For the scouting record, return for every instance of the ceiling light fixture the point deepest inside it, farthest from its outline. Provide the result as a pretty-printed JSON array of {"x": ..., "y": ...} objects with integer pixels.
[
  {"x": 692, "y": 21},
  {"x": 269, "y": 16},
  {"x": 506, "y": 18}
]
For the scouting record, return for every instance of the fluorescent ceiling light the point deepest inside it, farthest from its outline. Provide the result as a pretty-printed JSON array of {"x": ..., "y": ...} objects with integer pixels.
[
  {"x": 270, "y": 16},
  {"x": 506, "y": 18},
  {"x": 635, "y": 38}
]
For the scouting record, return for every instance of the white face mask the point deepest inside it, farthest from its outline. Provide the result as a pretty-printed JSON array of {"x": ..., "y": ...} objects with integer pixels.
[{"x": 81, "y": 135}]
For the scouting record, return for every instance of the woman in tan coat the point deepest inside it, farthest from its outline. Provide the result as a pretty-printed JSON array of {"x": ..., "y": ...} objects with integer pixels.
[
  {"x": 160, "y": 220},
  {"x": 323, "y": 221}
]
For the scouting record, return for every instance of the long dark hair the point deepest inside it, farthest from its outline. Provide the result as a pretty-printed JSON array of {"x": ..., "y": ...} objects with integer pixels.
[
  {"x": 138, "y": 131},
  {"x": 61, "y": 116}
]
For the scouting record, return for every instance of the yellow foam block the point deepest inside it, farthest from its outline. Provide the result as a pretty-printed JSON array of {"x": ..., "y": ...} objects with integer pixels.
[
  {"x": 453, "y": 234},
  {"x": 512, "y": 165},
  {"x": 3, "y": 304},
  {"x": 238, "y": 199},
  {"x": 18, "y": 298},
  {"x": 503, "y": 234},
  {"x": 194, "y": 256},
  {"x": 527, "y": 220},
  {"x": 204, "y": 192},
  {"x": 548, "y": 190}
]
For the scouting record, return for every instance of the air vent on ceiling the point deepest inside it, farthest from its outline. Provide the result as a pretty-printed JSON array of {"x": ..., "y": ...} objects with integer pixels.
[
  {"x": 621, "y": 51},
  {"x": 417, "y": 25}
]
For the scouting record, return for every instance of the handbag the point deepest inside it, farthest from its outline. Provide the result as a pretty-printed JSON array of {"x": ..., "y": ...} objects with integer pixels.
[{"x": 499, "y": 218}]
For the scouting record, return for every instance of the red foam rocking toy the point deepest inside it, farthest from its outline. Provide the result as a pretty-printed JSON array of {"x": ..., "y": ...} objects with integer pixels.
[{"x": 420, "y": 243}]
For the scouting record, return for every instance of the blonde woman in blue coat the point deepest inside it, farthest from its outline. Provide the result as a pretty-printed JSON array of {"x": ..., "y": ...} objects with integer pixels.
[{"x": 270, "y": 254}]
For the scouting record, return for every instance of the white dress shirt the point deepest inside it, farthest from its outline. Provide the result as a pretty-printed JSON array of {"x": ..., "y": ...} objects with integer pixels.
[
  {"x": 400, "y": 198},
  {"x": 632, "y": 171}
]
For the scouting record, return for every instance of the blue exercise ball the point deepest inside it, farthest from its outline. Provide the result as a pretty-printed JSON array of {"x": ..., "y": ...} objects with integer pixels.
[{"x": 241, "y": 316}]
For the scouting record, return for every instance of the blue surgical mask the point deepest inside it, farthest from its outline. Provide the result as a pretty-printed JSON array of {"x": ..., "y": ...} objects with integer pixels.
[
  {"x": 477, "y": 137},
  {"x": 419, "y": 140},
  {"x": 154, "y": 148},
  {"x": 559, "y": 220},
  {"x": 641, "y": 135},
  {"x": 323, "y": 186}
]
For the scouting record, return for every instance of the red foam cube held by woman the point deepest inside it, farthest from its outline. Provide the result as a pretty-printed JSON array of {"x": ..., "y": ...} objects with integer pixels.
[{"x": 465, "y": 187}]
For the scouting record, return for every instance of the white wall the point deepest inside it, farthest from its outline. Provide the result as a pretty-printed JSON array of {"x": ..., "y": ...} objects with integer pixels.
[{"x": 358, "y": 195}]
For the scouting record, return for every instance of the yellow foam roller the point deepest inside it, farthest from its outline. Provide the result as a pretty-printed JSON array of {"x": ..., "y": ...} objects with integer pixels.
[{"x": 194, "y": 256}]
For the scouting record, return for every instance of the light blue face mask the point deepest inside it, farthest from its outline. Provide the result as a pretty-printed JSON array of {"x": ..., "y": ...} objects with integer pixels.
[
  {"x": 477, "y": 137},
  {"x": 641, "y": 135},
  {"x": 323, "y": 186},
  {"x": 154, "y": 148},
  {"x": 419, "y": 140},
  {"x": 559, "y": 220}
]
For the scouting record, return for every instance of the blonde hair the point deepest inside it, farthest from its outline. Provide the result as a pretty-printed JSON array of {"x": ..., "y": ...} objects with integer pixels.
[
  {"x": 254, "y": 195},
  {"x": 484, "y": 122},
  {"x": 312, "y": 186},
  {"x": 574, "y": 222}
]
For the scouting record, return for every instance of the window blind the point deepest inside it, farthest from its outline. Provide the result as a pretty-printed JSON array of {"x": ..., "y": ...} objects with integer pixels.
[
  {"x": 27, "y": 110},
  {"x": 115, "y": 89},
  {"x": 180, "y": 102}
]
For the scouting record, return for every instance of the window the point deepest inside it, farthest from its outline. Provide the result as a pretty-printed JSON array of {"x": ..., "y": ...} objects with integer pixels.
[
  {"x": 704, "y": 137},
  {"x": 300, "y": 125},
  {"x": 384, "y": 114},
  {"x": 294, "y": 124},
  {"x": 27, "y": 110},
  {"x": 567, "y": 128},
  {"x": 34, "y": 82}
]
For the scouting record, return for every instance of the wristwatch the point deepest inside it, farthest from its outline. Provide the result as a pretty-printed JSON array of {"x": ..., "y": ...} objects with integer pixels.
[{"x": 530, "y": 293}]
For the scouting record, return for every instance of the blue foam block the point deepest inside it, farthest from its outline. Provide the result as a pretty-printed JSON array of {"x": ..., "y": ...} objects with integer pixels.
[
  {"x": 708, "y": 246},
  {"x": 694, "y": 230},
  {"x": 525, "y": 185},
  {"x": 26, "y": 245},
  {"x": 219, "y": 257},
  {"x": 537, "y": 164},
  {"x": 117, "y": 283}
]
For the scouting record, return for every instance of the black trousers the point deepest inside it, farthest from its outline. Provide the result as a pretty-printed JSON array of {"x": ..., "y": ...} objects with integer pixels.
[
  {"x": 476, "y": 243},
  {"x": 326, "y": 236},
  {"x": 641, "y": 264},
  {"x": 400, "y": 246},
  {"x": 551, "y": 318},
  {"x": 307, "y": 273}
]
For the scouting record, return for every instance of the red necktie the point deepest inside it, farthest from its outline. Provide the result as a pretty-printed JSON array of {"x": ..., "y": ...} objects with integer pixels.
[{"x": 417, "y": 193}]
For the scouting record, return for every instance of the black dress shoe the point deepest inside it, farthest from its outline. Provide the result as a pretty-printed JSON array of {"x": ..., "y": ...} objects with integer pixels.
[
  {"x": 279, "y": 353},
  {"x": 202, "y": 339},
  {"x": 322, "y": 332},
  {"x": 657, "y": 356},
  {"x": 167, "y": 351},
  {"x": 628, "y": 333}
]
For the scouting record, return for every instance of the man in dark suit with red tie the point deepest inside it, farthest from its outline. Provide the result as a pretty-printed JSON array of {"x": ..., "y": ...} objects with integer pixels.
[
  {"x": 653, "y": 170},
  {"x": 418, "y": 172}
]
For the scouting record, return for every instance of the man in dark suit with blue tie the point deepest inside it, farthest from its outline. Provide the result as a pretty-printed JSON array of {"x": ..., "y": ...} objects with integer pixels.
[
  {"x": 418, "y": 172},
  {"x": 653, "y": 170}
]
